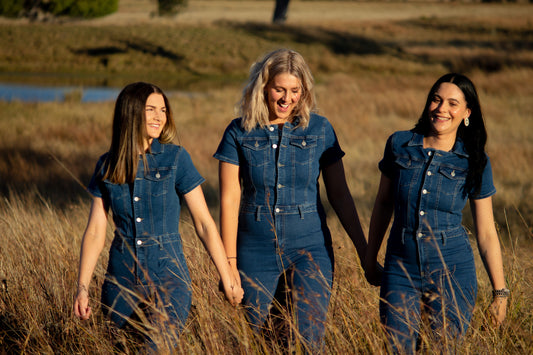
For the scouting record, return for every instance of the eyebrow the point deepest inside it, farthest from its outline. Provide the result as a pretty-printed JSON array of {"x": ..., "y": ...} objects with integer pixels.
[{"x": 449, "y": 99}]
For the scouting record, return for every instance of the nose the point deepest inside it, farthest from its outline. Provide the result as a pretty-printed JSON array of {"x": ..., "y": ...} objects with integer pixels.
[
  {"x": 287, "y": 97},
  {"x": 157, "y": 114}
]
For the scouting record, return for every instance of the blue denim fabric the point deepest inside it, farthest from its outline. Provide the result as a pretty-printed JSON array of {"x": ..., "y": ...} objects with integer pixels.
[
  {"x": 146, "y": 261},
  {"x": 282, "y": 224},
  {"x": 429, "y": 259}
]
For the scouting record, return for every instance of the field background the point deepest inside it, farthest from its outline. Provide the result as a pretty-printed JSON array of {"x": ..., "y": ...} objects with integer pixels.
[{"x": 373, "y": 63}]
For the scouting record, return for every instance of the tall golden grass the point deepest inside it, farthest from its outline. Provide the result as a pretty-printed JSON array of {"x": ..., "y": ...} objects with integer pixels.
[{"x": 48, "y": 152}]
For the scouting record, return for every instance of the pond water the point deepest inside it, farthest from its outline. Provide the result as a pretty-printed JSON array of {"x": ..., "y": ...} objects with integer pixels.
[{"x": 41, "y": 93}]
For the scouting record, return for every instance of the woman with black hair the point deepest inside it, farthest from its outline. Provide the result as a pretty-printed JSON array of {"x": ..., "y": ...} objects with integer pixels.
[{"x": 428, "y": 173}]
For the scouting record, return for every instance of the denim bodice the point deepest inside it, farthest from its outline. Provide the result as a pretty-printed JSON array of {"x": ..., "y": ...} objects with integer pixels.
[
  {"x": 150, "y": 207},
  {"x": 429, "y": 184},
  {"x": 280, "y": 167}
]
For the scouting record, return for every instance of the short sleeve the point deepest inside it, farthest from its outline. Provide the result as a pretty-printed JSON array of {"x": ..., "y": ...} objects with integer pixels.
[
  {"x": 487, "y": 184},
  {"x": 187, "y": 176},
  {"x": 386, "y": 165},
  {"x": 227, "y": 150},
  {"x": 96, "y": 185},
  {"x": 332, "y": 149}
]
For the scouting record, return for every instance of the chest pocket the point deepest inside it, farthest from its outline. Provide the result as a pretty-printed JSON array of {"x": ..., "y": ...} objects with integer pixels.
[
  {"x": 256, "y": 151},
  {"x": 119, "y": 197},
  {"x": 159, "y": 181},
  {"x": 303, "y": 149},
  {"x": 409, "y": 170},
  {"x": 452, "y": 180}
]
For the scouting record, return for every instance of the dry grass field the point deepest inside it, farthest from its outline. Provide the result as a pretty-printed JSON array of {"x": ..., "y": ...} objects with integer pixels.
[{"x": 373, "y": 63}]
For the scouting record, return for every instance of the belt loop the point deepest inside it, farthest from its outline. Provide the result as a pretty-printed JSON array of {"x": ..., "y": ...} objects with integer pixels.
[
  {"x": 258, "y": 213},
  {"x": 301, "y": 210},
  {"x": 403, "y": 236}
]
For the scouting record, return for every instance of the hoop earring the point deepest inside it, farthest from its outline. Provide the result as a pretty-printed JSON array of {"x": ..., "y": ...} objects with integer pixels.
[{"x": 467, "y": 122}]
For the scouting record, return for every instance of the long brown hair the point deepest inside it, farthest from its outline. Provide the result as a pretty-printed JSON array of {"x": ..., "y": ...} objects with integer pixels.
[{"x": 129, "y": 127}]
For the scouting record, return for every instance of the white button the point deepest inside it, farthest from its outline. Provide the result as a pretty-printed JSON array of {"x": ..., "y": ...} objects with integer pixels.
[
  {"x": 422, "y": 213},
  {"x": 136, "y": 199},
  {"x": 304, "y": 143},
  {"x": 453, "y": 173},
  {"x": 429, "y": 153},
  {"x": 277, "y": 210},
  {"x": 424, "y": 191},
  {"x": 138, "y": 219},
  {"x": 420, "y": 235},
  {"x": 429, "y": 173},
  {"x": 157, "y": 176},
  {"x": 271, "y": 128},
  {"x": 274, "y": 145},
  {"x": 280, "y": 186},
  {"x": 139, "y": 242}
]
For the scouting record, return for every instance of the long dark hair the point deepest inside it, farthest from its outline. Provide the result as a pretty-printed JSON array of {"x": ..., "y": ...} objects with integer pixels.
[
  {"x": 474, "y": 136},
  {"x": 129, "y": 125}
]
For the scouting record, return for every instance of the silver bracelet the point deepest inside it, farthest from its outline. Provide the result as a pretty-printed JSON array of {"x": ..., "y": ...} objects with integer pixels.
[{"x": 504, "y": 292}]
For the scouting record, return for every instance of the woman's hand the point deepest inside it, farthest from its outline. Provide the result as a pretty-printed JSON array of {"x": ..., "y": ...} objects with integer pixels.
[
  {"x": 498, "y": 310},
  {"x": 81, "y": 304},
  {"x": 234, "y": 292}
]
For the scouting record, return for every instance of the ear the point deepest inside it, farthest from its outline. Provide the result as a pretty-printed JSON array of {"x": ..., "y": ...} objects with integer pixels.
[{"x": 468, "y": 112}]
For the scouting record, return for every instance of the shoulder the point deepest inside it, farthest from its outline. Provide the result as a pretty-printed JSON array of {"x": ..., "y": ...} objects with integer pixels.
[
  {"x": 316, "y": 119},
  {"x": 318, "y": 122},
  {"x": 401, "y": 138}
]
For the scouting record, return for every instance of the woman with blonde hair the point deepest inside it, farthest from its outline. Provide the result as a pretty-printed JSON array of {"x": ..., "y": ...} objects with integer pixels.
[
  {"x": 273, "y": 224},
  {"x": 142, "y": 179}
]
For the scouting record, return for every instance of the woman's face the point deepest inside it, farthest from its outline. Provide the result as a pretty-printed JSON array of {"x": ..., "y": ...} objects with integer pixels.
[
  {"x": 156, "y": 117},
  {"x": 447, "y": 109},
  {"x": 283, "y": 93}
]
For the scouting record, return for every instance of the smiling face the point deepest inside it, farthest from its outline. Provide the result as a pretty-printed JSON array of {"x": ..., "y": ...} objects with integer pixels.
[
  {"x": 447, "y": 109},
  {"x": 156, "y": 117},
  {"x": 283, "y": 94}
]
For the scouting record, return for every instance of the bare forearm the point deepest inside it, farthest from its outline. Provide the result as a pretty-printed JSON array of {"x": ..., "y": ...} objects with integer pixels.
[
  {"x": 490, "y": 252},
  {"x": 91, "y": 249}
]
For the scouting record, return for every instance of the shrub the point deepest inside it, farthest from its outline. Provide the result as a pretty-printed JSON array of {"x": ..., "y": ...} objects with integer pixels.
[
  {"x": 11, "y": 8},
  {"x": 74, "y": 8}
]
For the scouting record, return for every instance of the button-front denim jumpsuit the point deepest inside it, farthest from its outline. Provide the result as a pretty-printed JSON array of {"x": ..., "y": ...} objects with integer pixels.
[
  {"x": 429, "y": 258},
  {"x": 146, "y": 262},
  {"x": 282, "y": 224}
]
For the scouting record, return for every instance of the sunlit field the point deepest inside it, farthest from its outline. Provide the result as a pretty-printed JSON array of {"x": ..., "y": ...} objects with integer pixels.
[{"x": 372, "y": 74}]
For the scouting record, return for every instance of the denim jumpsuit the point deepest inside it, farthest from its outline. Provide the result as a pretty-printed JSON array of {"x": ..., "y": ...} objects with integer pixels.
[
  {"x": 429, "y": 258},
  {"x": 282, "y": 224},
  {"x": 146, "y": 262}
]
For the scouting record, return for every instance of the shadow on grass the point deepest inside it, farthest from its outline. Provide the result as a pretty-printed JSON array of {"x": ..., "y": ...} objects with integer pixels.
[
  {"x": 23, "y": 170},
  {"x": 338, "y": 42},
  {"x": 344, "y": 43},
  {"x": 60, "y": 181}
]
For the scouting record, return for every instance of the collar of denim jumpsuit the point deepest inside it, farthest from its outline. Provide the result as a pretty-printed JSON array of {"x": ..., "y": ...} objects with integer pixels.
[
  {"x": 458, "y": 147},
  {"x": 290, "y": 124},
  {"x": 156, "y": 147}
]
